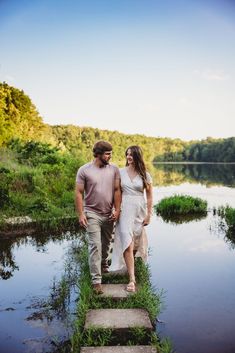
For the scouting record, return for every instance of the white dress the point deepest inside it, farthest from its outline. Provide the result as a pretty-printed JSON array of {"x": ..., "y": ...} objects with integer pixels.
[{"x": 130, "y": 224}]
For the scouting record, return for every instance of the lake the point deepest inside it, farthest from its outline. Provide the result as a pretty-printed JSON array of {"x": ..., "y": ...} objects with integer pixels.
[
  {"x": 194, "y": 262},
  {"x": 36, "y": 272}
]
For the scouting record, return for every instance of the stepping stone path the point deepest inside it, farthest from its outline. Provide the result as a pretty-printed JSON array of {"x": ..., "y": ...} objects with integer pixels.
[
  {"x": 119, "y": 349},
  {"x": 118, "y": 319},
  {"x": 121, "y": 321},
  {"x": 116, "y": 291}
]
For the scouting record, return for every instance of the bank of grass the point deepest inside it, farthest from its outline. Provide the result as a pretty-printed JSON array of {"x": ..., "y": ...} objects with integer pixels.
[
  {"x": 37, "y": 180},
  {"x": 145, "y": 298},
  {"x": 181, "y": 205}
]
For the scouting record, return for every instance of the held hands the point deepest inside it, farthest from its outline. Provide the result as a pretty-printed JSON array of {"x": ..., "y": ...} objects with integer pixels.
[
  {"x": 146, "y": 221},
  {"x": 114, "y": 215},
  {"x": 83, "y": 220}
]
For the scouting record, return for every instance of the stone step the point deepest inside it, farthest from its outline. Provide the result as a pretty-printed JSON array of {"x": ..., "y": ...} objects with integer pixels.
[
  {"x": 118, "y": 319},
  {"x": 115, "y": 291},
  {"x": 119, "y": 349}
]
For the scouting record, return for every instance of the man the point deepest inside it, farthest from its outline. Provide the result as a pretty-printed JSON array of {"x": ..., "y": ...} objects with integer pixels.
[{"x": 99, "y": 181}]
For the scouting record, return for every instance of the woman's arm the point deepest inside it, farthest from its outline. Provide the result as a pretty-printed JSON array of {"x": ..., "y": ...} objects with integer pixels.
[
  {"x": 149, "y": 195},
  {"x": 117, "y": 200}
]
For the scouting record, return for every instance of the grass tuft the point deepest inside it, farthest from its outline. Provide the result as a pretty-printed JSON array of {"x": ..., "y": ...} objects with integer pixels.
[{"x": 181, "y": 208}]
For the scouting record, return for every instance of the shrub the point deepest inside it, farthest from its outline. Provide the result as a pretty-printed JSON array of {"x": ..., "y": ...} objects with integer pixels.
[
  {"x": 5, "y": 179},
  {"x": 35, "y": 153}
]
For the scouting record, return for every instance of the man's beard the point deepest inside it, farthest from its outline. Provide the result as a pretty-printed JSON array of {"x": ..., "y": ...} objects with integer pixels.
[{"x": 104, "y": 161}]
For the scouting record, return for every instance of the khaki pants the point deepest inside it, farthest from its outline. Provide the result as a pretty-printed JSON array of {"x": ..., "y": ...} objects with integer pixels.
[{"x": 99, "y": 232}]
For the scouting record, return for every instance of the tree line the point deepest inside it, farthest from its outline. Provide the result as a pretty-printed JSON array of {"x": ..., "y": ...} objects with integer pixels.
[{"x": 20, "y": 119}]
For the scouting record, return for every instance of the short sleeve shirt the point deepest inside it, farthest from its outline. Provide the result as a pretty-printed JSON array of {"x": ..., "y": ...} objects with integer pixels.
[{"x": 99, "y": 184}]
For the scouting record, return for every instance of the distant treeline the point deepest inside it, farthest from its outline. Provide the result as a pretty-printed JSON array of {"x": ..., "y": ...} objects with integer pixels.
[
  {"x": 19, "y": 119},
  {"x": 209, "y": 150}
]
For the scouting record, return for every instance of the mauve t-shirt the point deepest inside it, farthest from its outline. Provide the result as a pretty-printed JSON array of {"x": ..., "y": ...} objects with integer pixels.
[{"x": 98, "y": 186}]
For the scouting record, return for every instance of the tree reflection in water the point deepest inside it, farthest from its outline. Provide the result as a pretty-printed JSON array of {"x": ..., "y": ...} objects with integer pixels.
[
  {"x": 165, "y": 174},
  {"x": 179, "y": 219},
  {"x": 51, "y": 312},
  {"x": 7, "y": 260},
  {"x": 8, "y": 264}
]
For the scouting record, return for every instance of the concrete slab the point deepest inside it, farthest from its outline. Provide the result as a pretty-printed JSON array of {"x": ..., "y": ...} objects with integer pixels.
[
  {"x": 116, "y": 291},
  {"x": 116, "y": 273},
  {"x": 118, "y": 319},
  {"x": 119, "y": 349}
]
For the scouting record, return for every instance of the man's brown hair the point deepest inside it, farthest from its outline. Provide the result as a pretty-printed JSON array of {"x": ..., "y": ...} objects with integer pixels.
[{"x": 100, "y": 147}]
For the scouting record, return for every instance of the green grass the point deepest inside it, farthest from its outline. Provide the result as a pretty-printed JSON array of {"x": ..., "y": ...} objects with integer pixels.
[
  {"x": 178, "y": 206},
  {"x": 228, "y": 214},
  {"x": 227, "y": 223},
  {"x": 34, "y": 184},
  {"x": 146, "y": 298}
]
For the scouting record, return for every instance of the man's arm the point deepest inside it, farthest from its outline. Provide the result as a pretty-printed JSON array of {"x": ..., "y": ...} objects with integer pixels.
[
  {"x": 79, "y": 204},
  {"x": 117, "y": 200}
]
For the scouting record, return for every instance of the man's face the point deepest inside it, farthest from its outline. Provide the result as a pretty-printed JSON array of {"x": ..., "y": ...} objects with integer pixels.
[{"x": 105, "y": 157}]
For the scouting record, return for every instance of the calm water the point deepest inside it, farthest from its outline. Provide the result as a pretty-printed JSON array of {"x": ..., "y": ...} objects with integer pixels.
[
  {"x": 193, "y": 262},
  {"x": 31, "y": 318}
]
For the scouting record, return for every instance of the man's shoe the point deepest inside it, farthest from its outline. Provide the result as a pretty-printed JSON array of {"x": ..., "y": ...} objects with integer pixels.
[{"x": 97, "y": 288}]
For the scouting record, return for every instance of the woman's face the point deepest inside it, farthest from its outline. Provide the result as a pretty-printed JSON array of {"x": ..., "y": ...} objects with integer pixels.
[{"x": 129, "y": 157}]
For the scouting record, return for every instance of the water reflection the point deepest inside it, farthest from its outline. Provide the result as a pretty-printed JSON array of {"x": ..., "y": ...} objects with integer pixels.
[
  {"x": 39, "y": 293},
  {"x": 207, "y": 174},
  {"x": 8, "y": 263},
  {"x": 7, "y": 260},
  {"x": 194, "y": 261},
  {"x": 219, "y": 228},
  {"x": 179, "y": 219}
]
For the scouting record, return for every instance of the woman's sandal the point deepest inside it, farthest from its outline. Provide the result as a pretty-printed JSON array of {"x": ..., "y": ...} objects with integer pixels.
[{"x": 131, "y": 286}]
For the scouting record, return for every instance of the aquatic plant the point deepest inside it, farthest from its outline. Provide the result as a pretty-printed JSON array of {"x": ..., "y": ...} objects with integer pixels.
[
  {"x": 181, "y": 205},
  {"x": 228, "y": 214},
  {"x": 226, "y": 223}
]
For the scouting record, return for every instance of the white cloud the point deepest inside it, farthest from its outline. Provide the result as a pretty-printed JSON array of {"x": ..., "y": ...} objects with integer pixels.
[{"x": 212, "y": 75}]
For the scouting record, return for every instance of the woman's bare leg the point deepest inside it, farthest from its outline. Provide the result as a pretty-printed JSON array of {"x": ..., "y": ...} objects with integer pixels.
[{"x": 129, "y": 259}]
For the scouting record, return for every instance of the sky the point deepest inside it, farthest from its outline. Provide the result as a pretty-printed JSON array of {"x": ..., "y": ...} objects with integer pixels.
[{"x": 159, "y": 68}]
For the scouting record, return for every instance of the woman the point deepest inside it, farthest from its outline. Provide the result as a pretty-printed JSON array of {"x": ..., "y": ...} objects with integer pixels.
[{"x": 130, "y": 237}]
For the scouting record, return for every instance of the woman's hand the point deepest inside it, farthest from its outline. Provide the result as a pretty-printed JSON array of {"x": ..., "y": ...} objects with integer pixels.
[{"x": 146, "y": 221}]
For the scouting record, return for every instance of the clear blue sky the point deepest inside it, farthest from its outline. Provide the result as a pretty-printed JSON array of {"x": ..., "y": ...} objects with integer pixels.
[{"x": 161, "y": 68}]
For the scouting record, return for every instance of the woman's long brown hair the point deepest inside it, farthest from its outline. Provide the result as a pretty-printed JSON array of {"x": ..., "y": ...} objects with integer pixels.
[{"x": 139, "y": 164}]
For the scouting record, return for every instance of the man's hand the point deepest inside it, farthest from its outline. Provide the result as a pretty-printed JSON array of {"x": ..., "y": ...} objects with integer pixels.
[
  {"x": 115, "y": 215},
  {"x": 83, "y": 220}
]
